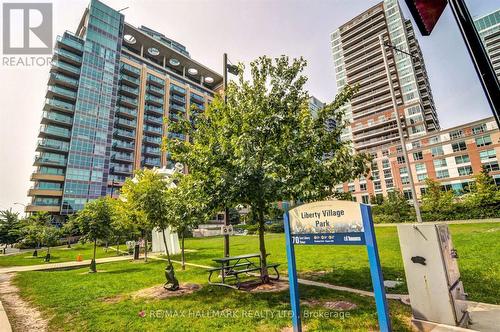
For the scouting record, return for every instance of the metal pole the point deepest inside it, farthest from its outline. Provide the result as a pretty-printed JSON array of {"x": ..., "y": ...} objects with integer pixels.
[
  {"x": 400, "y": 130},
  {"x": 226, "y": 210},
  {"x": 477, "y": 52}
]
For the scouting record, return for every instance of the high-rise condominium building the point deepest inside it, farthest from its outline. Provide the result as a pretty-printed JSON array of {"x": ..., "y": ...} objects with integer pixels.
[
  {"x": 113, "y": 90},
  {"x": 488, "y": 27},
  {"x": 358, "y": 59}
]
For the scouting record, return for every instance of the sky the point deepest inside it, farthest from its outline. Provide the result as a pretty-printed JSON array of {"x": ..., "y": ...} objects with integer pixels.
[{"x": 245, "y": 29}]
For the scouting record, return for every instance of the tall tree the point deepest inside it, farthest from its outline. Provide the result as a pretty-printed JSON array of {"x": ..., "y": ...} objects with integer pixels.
[
  {"x": 436, "y": 200},
  {"x": 31, "y": 229},
  {"x": 483, "y": 191},
  {"x": 264, "y": 145},
  {"x": 95, "y": 222},
  {"x": 9, "y": 227},
  {"x": 147, "y": 192}
]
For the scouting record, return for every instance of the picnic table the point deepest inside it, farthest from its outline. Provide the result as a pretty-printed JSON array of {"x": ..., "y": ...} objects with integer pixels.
[{"x": 232, "y": 267}]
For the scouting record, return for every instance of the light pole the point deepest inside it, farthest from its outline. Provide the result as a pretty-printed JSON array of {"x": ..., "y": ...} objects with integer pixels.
[{"x": 400, "y": 129}]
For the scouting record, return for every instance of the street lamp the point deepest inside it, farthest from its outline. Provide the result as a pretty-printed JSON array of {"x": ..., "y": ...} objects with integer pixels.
[
  {"x": 400, "y": 128},
  {"x": 233, "y": 69}
]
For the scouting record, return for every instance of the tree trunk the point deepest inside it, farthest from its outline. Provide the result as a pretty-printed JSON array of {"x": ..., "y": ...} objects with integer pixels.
[
  {"x": 93, "y": 267},
  {"x": 166, "y": 247},
  {"x": 262, "y": 245},
  {"x": 182, "y": 252},
  {"x": 145, "y": 238},
  {"x": 47, "y": 257}
]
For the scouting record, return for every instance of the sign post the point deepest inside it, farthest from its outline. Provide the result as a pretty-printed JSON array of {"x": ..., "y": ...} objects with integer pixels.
[{"x": 333, "y": 223}]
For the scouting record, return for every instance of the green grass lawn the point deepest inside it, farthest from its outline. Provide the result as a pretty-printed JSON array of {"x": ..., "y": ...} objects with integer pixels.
[
  {"x": 74, "y": 300},
  {"x": 478, "y": 247},
  {"x": 57, "y": 255}
]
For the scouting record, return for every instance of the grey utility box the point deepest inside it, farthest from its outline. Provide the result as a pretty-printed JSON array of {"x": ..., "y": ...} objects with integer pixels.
[{"x": 432, "y": 275}]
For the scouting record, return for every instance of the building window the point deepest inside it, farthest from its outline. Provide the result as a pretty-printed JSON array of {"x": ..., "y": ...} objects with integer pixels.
[
  {"x": 385, "y": 163},
  {"x": 387, "y": 173},
  {"x": 420, "y": 167},
  {"x": 401, "y": 159},
  {"x": 437, "y": 151},
  {"x": 443, "y": 173},
  {"x": 491, "y": 166},
  {"x": 415, "y": 144},
  {"x": 405, "y": 180},
  {"x": 351, "y": 188},
  {"x": 374, "y": 165},
  {"x": 418, "y": 155},
  {"x": 421, "y": 177},
  {"x": 479, "y": 129},
  {"x": 375, "y": 175},
  {"x": 377, "y": 185},
  {"x": 440, "y": 163},
  {"x": 487, "y": 155},
  {"x": 407, "y": 194},
  {"x": 459, "y": 146},
  {"x": 434, "y": 140},
  {"x": 385, "y": 153},
  {"x": 456, "y": 134},
  {"x": 403, "y": 170},
  {"x": 423, "y": 191},
  {"x": 365, "y": 199},
  {"x": 389, "y": 183},
  {"x": 483, "y": 141},
  {"x": 399, "y": 150},
  {"x": 464, "y": 170},
  {"x": 362, "y": 186},
  {"x": 462, "y": 159}
]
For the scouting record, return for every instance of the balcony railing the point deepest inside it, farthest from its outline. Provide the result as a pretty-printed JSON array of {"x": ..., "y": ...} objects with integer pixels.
[
  {"x": 124, "y": 133},
  {"x": 131, "y": 70},
  {"x": 155, "y": 89},
  {"x": 61, "y": 92},
  {"x": 59, "y": 104},
  {"x": 55, "y": 131},
  {"x": 177, "y": 89},
  {"x": 152, "y": 140},
  {"x": 154, "y": 119},
  {"x": 49, "y": 161},
  {"x": 123, "y": 145},
  {"x": 63, "y": 79},
  {"x": 124, "y": 122},
  {"x": 157, "y": 130},
  {"x": 197, "y": 98},
  {"x": 129, "y": 79},
  {"x": 121, "y": 169},
  {"x": 154, "y": 99},
  {"x": 157, "y": 110},
  {"x": 155, "y": 80},
  {"x": 122, "y": 156},
  {"x": 68, "y": 55},
  {"x": 134, "y": 91},
  {"x": 154, "y": 151},
  {"x": 177, "y": 108},
  {"x": 178, "y": 99},
  {"x": 56, "y": 117},
  {"x": 53, "y": 145},
  {"x": 66, "y": 67},
  {"x": 127, "y": 111},
  {"x": 67, "y": 40},
  {"x": 176, "y": 136},
  {"x": 127, "y": 100},
  {"x": 151, "y": 162}
]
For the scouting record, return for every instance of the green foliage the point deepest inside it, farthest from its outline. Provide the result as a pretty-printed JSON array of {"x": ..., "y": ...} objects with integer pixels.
[
  {"x": 263, "y": 145},
  {"x": 393, "y": 209},
  {"x": 435, "y": 200},
  {"x": 483, "y": 191},
  {"x": 9, "y": 227},
  {"x": 95, "y": 219}
]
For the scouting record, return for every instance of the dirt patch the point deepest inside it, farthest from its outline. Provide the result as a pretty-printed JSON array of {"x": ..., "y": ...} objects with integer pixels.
[
  {"x": 22, "y": 316},
  {"x": 158, "y": 292},
  {"x": 113, "y": 299},
  {"x": 258, "y": 287},
  {"x": 332, "y": 305}
]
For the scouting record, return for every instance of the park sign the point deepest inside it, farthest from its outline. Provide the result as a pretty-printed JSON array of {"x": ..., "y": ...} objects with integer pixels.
[
  {"x": 334, "y": 223},
  {"x": 320, "y": 223}
]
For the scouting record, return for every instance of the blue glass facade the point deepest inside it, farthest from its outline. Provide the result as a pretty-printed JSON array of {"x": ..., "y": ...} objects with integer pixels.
[{"x": 90, "y": 147}]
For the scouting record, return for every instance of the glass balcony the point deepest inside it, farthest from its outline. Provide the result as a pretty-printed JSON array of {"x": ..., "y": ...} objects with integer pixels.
[
  {"x": 125, "y": 123},
  {"x": 62, "y": 80},
  {"x": 121, "y": 145},
  {"x": 131, "y": 102},
  {"x": 153, "y": 109},
  {"x": 177, "y": 99},
  {"x": 53, "y": 90},
  {"x": 50, "y": 130},
  {"x": 156, "y": 90},
  {"x": 156, "y": 81},
  {"x": 124, "y": 133},
  {"x": 197, "y": 98},
  {"x": 154, "y": 119},
  {"x": 177, "y": 108},
  {"x": 151, "y": 98},
  {"x": 67, "y": 56},
  {"x": 122, "y": 157},
  {"x": 176, "y": 136},
  {"x": 121, "y": 169},
  {"x": 129, "y": 80},
  {"x": 151, "y": 162},
  {"x": 175, "y": 117},
  {"x": 44, "y": 160},
  {"x": 53, "y": 117},
  {"x": 70, "y": 41},
  {"x": 152, "y": 151},
  {"x": 129, "y": 112},
  {"x": 65, "y": 67},
  {"x": 177, "y": 90},
  {"x": 129, "y": 90},
  {"x": 53, "y": 145},
  {"x": 58, "y": 105},
  {"x": 154, "y": 130},
  {"x": 130, "y": 70},
  {"x": 152, "y": 140}
]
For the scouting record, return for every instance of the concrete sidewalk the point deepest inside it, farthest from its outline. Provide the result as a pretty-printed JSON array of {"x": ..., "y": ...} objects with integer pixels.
[{"x": 62, "y": 265}]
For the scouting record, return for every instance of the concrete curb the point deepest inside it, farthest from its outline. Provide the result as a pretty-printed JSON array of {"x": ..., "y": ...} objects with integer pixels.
[{"x": 4, "y": 320}]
